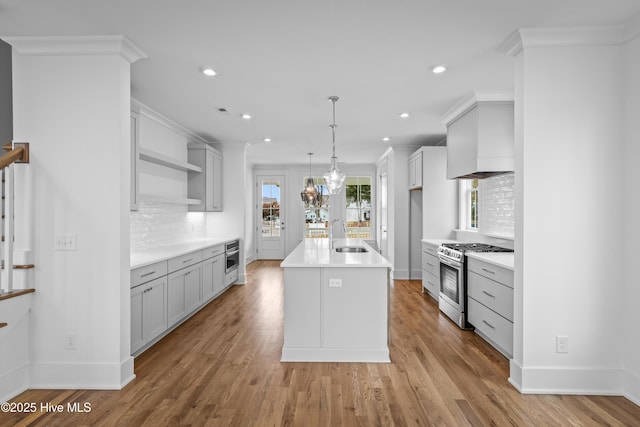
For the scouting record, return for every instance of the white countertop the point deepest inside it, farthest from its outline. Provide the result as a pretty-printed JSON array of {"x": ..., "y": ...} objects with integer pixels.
[
  {"x": 316, "y": 253},
  {"x": 163, "y": 253},
  {"x": 501, "y": 259},
  {"x": 438, "y": 242}
]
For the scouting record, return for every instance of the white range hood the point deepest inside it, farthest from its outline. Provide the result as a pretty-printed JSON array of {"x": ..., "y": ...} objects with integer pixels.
[{"x": 480, "y": 136}]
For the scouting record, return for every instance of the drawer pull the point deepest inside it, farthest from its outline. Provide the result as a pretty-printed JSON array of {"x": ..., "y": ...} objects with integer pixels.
[
  {"x": 489, "y": 324},
  {"x": 429, "y": 264},
  {"x": 488, "y": 271},
  {"x": 488, "y": 294},
  {"x": 187, "y": 260},
  {"x": 148, "y": 274}
]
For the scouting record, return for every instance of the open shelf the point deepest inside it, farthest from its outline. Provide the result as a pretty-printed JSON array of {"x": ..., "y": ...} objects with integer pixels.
[{"x": 161, "y": 159}]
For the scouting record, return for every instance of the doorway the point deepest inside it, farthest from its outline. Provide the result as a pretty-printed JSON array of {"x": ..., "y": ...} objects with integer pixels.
[{"x": 270, "y": 216}]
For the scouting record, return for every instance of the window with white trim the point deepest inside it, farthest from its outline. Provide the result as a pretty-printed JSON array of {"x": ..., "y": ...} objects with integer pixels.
[{"x": 470, "y": 204}]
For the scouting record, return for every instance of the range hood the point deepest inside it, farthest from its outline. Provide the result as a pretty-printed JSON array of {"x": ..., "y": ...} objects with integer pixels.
[{"x": 480, "y": 136}]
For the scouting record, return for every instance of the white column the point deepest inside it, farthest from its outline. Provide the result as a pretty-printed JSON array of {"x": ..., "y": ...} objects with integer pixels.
[{"x": 71, "y": 101}]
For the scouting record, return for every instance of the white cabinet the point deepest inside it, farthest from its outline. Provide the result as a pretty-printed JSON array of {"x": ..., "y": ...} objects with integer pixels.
[
  {"x": 430, "y": 270},
  {"x": 415, "y": 170},
  {"x": 184, "y": 294},
  {"x": 148, "y": 312},
  {"x": 212, "y": 277},
  {"x": 206, "y": 185},
  {"x": 490, "y": 303}
]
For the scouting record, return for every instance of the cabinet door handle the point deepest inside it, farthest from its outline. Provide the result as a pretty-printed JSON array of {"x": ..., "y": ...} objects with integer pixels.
[
  {"x": 488, "y": 294},
  {"x": 488, "y": 271},
  {"x": 148, "y": 274},
  {"x": 489, "y": 324}
]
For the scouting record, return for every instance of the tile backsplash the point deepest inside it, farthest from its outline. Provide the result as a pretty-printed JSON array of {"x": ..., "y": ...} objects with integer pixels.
[
  {"x": 163, "y": 224},
  {"x": 497, "y": 209}
]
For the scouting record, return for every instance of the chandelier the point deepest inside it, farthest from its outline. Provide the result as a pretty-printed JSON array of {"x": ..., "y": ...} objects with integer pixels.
[
  {"x": 334, "y": 179},
  {"x": 310, "y": 194}
]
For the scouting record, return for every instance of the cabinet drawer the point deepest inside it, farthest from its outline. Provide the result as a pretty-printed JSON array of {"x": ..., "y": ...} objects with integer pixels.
[
  {"x": 148, "y": 273},
  {"x": 494, "y": 295},
  {"x": 431, "y": 264},
  {"x": 230, "y": 278},
  {"x": 184, "y": 261},
  {"x": 430, "y": 283},
  {"x": 499, "y": 274},
  {"x": 491, "y": 326},
  {"x": 430, "y": 249},
  {"x": 212, "y": 251}
]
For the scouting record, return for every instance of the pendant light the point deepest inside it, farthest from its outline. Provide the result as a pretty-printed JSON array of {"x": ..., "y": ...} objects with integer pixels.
[
  {"x": 334, "y": 178},
  {"x": 310, "y": 195}
]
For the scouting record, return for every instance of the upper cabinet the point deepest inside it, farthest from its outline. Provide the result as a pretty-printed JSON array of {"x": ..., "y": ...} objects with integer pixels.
[
  {"x": 480, "y": 137},
  {"x": 415, "y": 170},
  {"x": 206, "y": 186}
]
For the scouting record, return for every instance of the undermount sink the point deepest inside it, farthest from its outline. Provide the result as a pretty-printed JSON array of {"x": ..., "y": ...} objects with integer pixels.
[{"x": 357, "y": 249}]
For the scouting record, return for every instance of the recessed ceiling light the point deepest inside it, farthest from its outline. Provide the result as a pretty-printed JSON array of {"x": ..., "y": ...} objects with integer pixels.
[
  {"x": 386, "y": 138},
  {"x": 246, "y": 116},
  {"x": 404, "y": 115},
  {"x": 438, "y": 69},
  {"x": 267, "y": 139},
  {"x": 208, "y": 71}
]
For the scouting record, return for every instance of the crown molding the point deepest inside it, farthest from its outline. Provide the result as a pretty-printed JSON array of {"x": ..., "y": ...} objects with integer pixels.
[
  {"x": 471, "y": 99},
  {"x": 77, "y": 45},
  {"x": 570, "y": 37}
]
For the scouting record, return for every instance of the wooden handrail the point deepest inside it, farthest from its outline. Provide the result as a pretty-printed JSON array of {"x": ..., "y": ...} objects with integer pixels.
[
  {"x": 20, "y": 266},
  {"x": 3, "y": 324},
  {"x": 18, "y": 153},
  {"x": 16, "y": 293}
]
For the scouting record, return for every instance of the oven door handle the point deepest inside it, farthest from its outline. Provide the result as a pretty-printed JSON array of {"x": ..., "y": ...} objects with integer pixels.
[
  {"x": 233, "y": 252},
  {"x": 453, "y": 264}
]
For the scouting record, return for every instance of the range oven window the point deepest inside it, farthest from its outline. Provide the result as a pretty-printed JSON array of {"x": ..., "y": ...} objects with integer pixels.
[{"x": 450, "y": 282}]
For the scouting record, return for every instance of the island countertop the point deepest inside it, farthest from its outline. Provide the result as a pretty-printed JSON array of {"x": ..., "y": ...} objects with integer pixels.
[{"x": 316, "y": 253}]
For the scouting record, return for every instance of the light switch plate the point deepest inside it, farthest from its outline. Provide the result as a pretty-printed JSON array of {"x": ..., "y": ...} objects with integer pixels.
[
  {"x": 562, "y": 344},
  {"x": 65, "y": 242}
]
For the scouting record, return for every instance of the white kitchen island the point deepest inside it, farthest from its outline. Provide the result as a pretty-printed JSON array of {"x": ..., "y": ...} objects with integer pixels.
[{"x": 336, "y": 305}]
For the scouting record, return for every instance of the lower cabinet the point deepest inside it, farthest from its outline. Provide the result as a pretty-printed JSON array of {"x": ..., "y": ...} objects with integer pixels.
[
  {"x": 490, "y": 304},
  {"x": 184, "y": 292},
  {"x": 212, "y": 277},
  {"x": 173, "y": 290},
  {"x": 430, "y": 270},
  {"x": 148, "y": 312}
]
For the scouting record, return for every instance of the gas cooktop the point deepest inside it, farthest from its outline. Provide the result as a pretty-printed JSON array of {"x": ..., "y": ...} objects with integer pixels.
[{"x": 475, "y": 247}]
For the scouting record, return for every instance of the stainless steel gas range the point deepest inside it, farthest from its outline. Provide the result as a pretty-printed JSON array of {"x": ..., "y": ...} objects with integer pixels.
[{"x": 453, "y": 278}]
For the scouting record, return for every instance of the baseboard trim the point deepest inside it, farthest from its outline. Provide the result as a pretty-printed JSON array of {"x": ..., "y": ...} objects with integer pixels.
[
  {"x": 605, "y": 382},
  {"x": 14, "y": 382},
  {"x": 92, "y": 376},
  {"x": 290, "y": 354},
  {"x": 631, "y": 386}
]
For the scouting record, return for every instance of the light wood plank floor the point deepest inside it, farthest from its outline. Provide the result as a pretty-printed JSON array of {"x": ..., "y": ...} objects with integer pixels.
[{"x": 222, "y": 368}]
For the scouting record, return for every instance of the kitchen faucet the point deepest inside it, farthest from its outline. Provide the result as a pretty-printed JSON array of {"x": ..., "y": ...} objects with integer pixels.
[{"x": 344, "y": 227}]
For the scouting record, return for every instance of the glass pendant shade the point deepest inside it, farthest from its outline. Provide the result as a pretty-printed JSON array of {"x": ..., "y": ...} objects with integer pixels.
[
  {"x": 334, "y": 179},
  {"x": 310, "y": 195}
]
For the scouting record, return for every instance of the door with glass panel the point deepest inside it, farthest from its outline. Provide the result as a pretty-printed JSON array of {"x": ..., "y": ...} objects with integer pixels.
[{"x": 270, "y": 225}]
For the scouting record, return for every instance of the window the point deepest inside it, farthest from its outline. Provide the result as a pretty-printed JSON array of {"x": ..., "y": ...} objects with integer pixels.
[
  {"x": 470, "y": 204},
  {"x": 358, "y": 207},
  {"x": 316, "y": 218},
  {"x": 270, "y": 208}
]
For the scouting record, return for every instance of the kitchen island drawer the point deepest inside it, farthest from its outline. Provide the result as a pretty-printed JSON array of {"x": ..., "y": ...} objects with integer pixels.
[
  {"x": 148, "y": 273},
  {"x": 431, "y": 263},
  {"x": 212, "y": 251},
  {"x": 185, "y": 260},
  {"x": 491, "y": 326},
  {"x": 499, "y": 274},
  {"x": 492, "y": 294}
]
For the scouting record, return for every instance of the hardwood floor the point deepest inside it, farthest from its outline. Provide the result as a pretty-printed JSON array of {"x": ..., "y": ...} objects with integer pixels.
[{"x": 222, "y": 367}]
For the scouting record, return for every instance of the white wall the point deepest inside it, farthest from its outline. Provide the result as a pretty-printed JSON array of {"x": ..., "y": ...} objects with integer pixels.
[
  {"x": 79, "y": 135},
  {"x": 631, "y": 207},
  {"x": 568, "y": 211}
]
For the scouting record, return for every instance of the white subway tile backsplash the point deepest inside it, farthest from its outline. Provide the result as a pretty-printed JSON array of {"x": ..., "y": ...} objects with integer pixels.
[
  {"x": 163, "y": 224},
  {"x": 497, "y": 205}
]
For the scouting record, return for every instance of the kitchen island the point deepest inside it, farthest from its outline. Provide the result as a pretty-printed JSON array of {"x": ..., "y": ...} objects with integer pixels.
[{"x": 336, "y": 304}]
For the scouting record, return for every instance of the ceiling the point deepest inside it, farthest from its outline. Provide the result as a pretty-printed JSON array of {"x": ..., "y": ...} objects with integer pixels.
[{"x": 280, "y": 60}]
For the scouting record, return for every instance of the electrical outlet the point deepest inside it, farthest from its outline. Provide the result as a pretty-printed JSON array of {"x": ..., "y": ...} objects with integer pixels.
[
  {"x": 562, "y": 344},
  {"x": 65, "y": 242},
  {"x": 71, "y": 341},
  {"x": 335, "y": 283}
]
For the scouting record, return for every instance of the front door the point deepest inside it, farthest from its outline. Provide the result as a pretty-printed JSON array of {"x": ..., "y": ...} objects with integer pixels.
[{"x": 270, "y": 217}]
